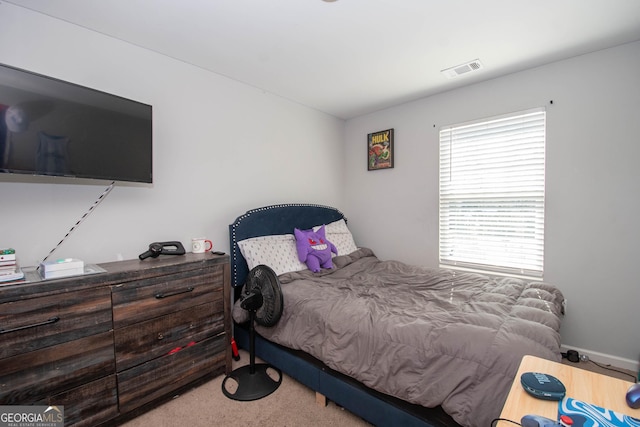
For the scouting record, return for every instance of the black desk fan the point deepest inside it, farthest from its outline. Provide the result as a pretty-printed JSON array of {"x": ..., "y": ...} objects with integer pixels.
[{"x": 262, "y": 297}]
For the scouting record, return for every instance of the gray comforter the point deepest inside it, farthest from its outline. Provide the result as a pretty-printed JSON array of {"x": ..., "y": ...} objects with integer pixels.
[{"x": 428, "y": 336}]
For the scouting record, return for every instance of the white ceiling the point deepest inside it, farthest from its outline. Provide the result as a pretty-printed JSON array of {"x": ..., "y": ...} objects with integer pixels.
[{"x": 352, "y": 57}]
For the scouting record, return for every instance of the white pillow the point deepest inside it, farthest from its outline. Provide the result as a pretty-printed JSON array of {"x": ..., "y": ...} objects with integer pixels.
[
  {"x": 338, "y": 233},
  {"x": 278, "y": 252}
]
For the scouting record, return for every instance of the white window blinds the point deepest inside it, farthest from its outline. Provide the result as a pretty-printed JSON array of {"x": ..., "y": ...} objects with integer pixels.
[{"x": 492, "y": 194}]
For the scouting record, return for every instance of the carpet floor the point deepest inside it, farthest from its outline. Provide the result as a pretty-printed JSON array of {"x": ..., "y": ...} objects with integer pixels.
[{"x": 291, "y": 405}]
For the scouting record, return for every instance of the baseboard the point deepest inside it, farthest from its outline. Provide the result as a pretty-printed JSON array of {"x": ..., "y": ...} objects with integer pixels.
[{"x": 606, "y": 359}]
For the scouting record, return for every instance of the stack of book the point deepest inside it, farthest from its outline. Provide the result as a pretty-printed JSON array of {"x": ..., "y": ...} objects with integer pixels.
[{"x": 9, "y": 269}]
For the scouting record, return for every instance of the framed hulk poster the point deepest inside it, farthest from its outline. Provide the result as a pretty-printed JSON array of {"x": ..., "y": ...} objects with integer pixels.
[{"x": 380, "y": 150}]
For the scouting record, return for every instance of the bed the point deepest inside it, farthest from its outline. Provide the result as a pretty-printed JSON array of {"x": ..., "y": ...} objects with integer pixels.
[{"x": 393, "y": 343}]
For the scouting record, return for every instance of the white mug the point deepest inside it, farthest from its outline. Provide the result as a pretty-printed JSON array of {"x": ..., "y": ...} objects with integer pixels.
[{"x": 200, "y": 245}]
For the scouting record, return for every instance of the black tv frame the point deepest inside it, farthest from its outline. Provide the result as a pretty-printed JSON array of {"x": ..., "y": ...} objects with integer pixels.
[{"x": 51, "y": 127}]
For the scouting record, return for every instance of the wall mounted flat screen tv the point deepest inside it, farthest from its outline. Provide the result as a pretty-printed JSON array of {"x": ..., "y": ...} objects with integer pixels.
[{"x": 56, "y": 128}]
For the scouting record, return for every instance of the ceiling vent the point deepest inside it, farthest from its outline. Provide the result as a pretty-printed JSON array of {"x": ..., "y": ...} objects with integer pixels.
[{"x": 461, "y": 69}]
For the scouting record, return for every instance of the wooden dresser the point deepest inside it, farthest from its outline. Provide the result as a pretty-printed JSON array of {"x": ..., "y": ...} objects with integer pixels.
[{"x": 110, "y": 345}]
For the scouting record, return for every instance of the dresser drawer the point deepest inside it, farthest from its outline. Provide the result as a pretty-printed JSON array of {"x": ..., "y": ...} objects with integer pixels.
[
  {"x": 159, "y": 377},
  {"x": 35, "y": 376},
  {"x": 137, "y": 301},
  {"x": 90, "y": 404},
  {"x": 32, "y": 324},
  {"x": 154, "y": 338}
]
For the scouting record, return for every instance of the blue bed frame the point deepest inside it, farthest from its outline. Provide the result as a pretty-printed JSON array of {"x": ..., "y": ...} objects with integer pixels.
[{"x": 374, "y": 407}]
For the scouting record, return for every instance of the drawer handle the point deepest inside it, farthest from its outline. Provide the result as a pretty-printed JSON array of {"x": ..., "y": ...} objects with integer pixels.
[
  {"x": 170, "y": 294},
  {"x": 20, "y": 328}
]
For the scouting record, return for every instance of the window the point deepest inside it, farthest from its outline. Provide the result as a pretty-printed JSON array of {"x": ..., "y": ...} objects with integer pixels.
[{"x": 492, "y": 194}]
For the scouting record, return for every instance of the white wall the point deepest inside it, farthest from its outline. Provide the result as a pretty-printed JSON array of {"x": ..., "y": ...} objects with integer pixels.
[
  {"x": 220, "y": 148},
  {"x": 592, "y": 186}
]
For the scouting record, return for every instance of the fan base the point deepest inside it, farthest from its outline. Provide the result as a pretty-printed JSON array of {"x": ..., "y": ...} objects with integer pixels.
[{"x": 252, "y": 386}]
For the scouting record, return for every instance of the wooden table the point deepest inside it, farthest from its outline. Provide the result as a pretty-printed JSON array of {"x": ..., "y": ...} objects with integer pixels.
[{"x": 590, "y": 387}]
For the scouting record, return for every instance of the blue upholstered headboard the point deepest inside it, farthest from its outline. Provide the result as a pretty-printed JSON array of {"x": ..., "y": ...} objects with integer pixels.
[{"x": 271, "y": 220}]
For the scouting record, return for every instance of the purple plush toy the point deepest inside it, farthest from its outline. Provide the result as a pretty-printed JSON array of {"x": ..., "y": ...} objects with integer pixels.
[{"x": 314, "y": 249}]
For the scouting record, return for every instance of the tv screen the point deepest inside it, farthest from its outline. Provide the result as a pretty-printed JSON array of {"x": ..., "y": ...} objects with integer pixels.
[{"x": 57, "y": 128}]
